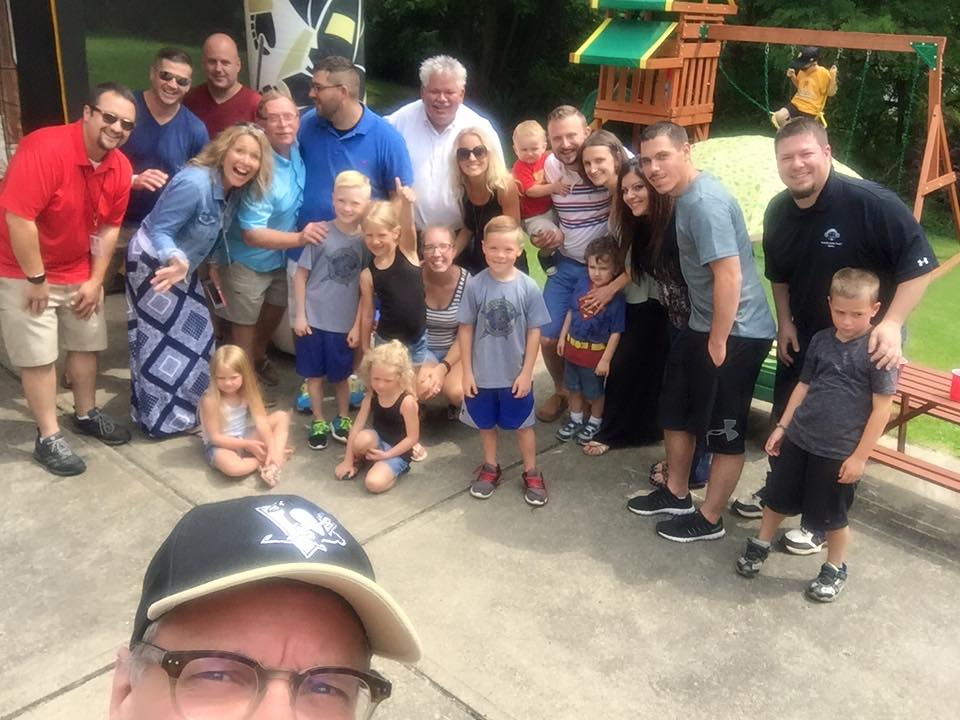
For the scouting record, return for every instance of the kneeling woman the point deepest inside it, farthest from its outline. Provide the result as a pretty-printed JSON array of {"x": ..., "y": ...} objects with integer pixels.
[{"x": 168, "y": 323}]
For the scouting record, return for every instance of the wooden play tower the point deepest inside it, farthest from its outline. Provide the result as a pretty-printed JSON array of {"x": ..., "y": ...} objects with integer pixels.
[{"x": 658, "y": 61}]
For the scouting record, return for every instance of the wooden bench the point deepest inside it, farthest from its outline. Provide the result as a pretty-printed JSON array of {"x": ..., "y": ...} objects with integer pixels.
[{"x": 921, "y": 391}]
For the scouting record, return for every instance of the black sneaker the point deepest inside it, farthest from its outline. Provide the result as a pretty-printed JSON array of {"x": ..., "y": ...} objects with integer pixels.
[
  {"x": 319, "y": 435},
  {"x": 749, "y": 564},
  {"x": 660, "y": 501},
  {"x": 828, "y": 584},
  {"x": 548, "y": 261},
  {"x": 690, "y": 528},
  {"x": 102, "y": 427},
  {"x": 56, "y": 455},
  {"x": 749, "y": 506}
]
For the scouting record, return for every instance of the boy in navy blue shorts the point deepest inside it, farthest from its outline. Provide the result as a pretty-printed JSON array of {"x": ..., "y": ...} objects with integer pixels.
[
  {"x": 588, "y": 341},
  {"x": 500, "y": 318},
  {"x": 833, "y": 419},
  {"x": 327, "y": 321}
]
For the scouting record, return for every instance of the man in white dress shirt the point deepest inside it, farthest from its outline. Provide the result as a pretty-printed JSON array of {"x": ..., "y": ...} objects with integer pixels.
[{"x": 429, "y": 126}]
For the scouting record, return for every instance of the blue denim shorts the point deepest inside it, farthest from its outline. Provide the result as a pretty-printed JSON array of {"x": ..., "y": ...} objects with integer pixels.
[
  {"x": 398, "y": 466},
  {"x": 582, "y": 380},
  {"x": 417, "y": 349}
]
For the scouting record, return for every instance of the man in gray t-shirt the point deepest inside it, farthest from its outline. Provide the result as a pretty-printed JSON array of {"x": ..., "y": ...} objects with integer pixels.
[
  {"x": 710, "y": 227},
  {"x": 713, "y": 364},
  {"x": 333, "y": 282}
]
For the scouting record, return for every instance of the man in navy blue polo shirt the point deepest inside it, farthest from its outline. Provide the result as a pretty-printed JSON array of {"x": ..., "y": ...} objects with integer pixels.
[
  {"x": 820, "y": 223},
  {"x": 341, "y": 133}
]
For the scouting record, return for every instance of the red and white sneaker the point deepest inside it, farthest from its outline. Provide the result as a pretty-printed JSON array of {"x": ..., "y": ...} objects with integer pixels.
[
  {"x": 534, "y": 488},
  {"x": 488, "y": 477}
]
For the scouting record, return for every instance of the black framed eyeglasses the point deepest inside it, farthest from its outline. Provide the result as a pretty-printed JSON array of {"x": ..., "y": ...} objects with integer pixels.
[
  {"x": 111, "y": 119},
  {"x": 217, "y": 685},
  {"x": 479, "y": 152},
  {"x": 168, "y": 76}
]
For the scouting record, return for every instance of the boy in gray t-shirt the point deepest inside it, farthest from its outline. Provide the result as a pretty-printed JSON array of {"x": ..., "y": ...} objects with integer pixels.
[
  {"x": 326, "y": 288},
  {"x": 832, "y": 421},
  {"x": 500, "y": 317}
]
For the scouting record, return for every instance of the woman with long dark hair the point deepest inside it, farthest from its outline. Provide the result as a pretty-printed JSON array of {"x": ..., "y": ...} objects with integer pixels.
[{"x": 641, "y": 220}]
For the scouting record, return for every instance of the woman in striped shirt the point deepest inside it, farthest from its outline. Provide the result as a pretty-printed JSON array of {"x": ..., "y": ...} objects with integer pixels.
[{"x": 443, "y": 284}]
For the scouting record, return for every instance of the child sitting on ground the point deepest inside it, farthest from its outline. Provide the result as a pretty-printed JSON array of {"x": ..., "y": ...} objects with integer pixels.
[
  {"x": 500, "y": 317},
  {"x": 832, "y": 421},
  {"x": 391, "y": 405},
  {"x": 587, "y": 342},
  {"x": 327, "y": 291},
  {"x": 814, "y": 85},
  {"x": 238, "y": 435},
  {"x": 536, "y": 208}
]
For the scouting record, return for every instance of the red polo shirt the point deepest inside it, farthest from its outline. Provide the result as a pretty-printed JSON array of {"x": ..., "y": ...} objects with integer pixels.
[
  {"x": 52, "y": 182},
  {"x": 242, "y": 107}
]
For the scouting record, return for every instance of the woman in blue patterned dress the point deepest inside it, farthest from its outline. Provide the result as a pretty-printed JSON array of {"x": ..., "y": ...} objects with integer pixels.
[{"x": 168, "y": 324}]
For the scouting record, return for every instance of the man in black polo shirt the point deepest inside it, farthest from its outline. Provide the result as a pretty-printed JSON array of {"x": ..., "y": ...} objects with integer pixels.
[{"x": 821, "y": 223}]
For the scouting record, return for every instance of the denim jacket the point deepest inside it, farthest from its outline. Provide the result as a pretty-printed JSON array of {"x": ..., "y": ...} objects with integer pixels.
[{"x": 189, "y": 215}]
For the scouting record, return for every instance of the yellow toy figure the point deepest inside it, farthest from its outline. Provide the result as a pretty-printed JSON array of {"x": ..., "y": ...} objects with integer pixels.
[{"x": 814, "y": 85}]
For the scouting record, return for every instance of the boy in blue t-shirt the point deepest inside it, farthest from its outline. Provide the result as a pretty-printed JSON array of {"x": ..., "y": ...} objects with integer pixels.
[
  {"x": 588, "y": 341},
  {"x": 832, "y": 421},
  {"x": 327, "y": 316},
  {"x": 500, "y": 317}
]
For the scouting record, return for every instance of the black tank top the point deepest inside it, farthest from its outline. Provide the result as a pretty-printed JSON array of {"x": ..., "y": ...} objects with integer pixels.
[
  {"x": 475, "y": 219},
  {"x": 403, "y": 309},
  {"x": 388, "y": 422}
]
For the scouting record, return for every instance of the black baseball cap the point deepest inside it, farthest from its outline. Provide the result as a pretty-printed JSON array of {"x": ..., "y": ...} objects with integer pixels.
[
  {"x": 234, "y": 542},
  {"x": 805, "y": 56}
]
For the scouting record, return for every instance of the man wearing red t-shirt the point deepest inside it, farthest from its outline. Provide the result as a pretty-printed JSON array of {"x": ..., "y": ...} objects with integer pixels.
[
  {"x": 62, "y": 203},
  {"x": 222, "y": 101}
]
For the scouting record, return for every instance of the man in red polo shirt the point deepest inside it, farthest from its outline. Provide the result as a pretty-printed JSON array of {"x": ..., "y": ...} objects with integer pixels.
[
  {"x": 62, "y": 203},
  {"x": 222, "y": 101}
]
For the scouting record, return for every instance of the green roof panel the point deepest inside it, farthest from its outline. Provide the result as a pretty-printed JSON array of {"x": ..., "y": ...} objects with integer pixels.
[{"x": 623, "y": 43}]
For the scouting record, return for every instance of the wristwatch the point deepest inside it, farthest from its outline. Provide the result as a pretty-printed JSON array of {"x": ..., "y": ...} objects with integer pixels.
[
  {"x": 38, "y": 279},
  {"x": 445, "y": 364}
]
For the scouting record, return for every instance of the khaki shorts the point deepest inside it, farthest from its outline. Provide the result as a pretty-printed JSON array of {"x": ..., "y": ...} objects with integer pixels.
[
  {"x": 246, "y": 291},
  {"x": 34, "y": 340}
]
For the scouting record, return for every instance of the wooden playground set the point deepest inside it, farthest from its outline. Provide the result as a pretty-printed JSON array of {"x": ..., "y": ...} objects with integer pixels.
[{"x": 659, "y": 61}]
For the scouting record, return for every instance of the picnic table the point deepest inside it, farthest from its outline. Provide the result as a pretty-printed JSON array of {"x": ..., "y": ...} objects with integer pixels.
[{"x": 921, "y": 391}]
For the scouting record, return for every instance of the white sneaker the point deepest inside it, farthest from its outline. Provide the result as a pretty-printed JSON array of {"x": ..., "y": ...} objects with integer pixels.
[{"x": 803, "y": 542}]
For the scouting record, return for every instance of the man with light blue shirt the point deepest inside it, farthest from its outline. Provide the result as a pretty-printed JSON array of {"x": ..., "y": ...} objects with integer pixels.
[
  {"x": 255, "y": 283},
  {"x": 713, "y": 364},
  {"x": 341, "y": 133}
]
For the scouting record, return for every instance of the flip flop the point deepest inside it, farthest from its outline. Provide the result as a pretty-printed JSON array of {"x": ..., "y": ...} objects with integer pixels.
[
  {"x": 595, "y": 448},
  {"x": 658, "y": 473}
]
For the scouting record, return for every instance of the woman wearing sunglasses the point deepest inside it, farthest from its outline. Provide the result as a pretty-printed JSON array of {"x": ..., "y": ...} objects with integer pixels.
[
  {"x": 485, "y": 190},
  {"x": 169, "y": 326}
]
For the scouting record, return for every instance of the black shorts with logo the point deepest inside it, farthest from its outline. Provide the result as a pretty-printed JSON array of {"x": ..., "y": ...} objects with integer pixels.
[
  {"x": 707, "y": 401},
  {"x": 805, "y": 484}
]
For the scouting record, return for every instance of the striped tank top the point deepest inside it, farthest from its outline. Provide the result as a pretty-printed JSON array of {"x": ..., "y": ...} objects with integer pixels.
[{"x": 442, "y": 325}]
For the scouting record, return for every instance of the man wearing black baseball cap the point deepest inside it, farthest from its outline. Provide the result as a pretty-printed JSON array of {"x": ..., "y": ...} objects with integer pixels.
[{"x": 259, "y": 607}]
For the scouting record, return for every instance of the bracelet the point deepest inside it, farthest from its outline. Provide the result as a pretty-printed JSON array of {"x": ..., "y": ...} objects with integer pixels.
[
  {"x": 782, "y": 426},
  {"x": 38, "y": 279},
  {"x": 445, "y": 364}
]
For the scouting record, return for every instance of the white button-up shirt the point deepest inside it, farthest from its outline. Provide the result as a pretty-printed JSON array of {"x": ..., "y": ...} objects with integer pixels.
[{"x": 432, "y": 155}]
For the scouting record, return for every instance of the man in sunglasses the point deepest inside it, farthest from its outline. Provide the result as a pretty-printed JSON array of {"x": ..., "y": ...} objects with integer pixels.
[
  {"x": 259, "y": 607},
  {"x": 63, "y": 199},
  {"x": 222, "y": 100},
  {"x": 166, "y": 136}
]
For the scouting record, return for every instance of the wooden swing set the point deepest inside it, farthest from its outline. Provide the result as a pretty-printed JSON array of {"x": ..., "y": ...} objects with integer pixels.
[{"x": 658, "y": 61}]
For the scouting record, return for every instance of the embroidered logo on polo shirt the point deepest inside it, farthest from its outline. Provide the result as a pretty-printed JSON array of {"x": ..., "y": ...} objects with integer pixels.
[{"x": 831, "y": 239}]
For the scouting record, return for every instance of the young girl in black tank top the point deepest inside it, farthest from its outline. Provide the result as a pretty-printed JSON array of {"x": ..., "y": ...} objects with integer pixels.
[
  {"x": 394, "y": 277},
  {"x": 391, "y": 405}
]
